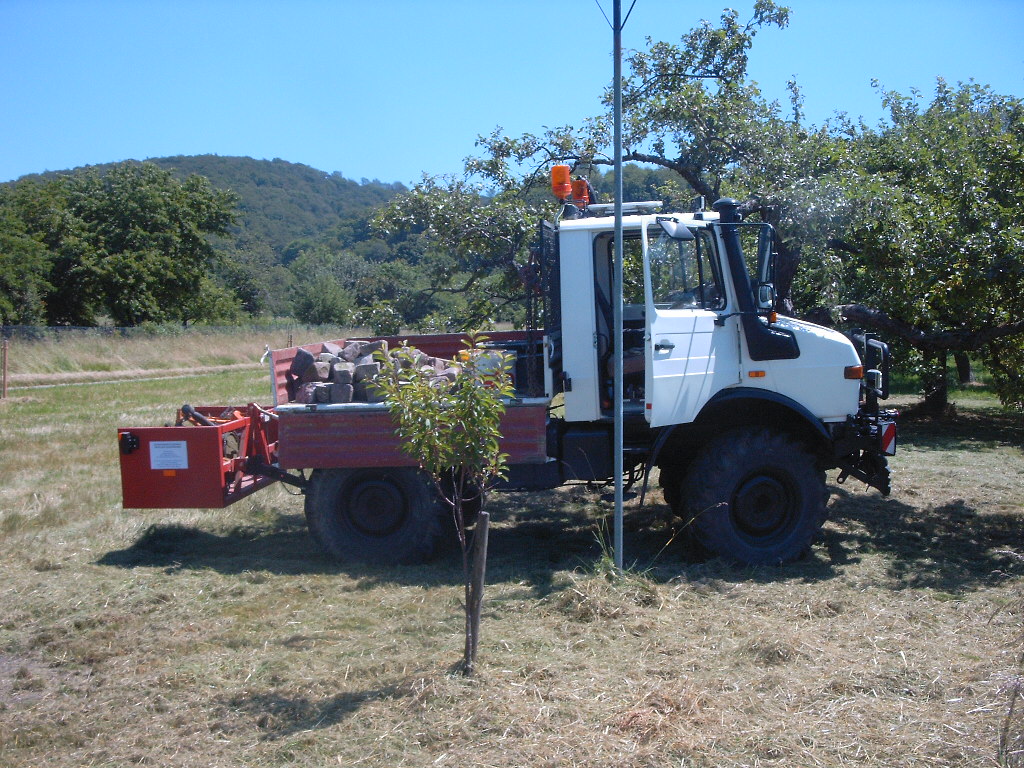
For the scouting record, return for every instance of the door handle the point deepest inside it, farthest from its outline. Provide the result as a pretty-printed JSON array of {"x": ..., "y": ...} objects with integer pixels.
[{"x": 664, "y": 346}]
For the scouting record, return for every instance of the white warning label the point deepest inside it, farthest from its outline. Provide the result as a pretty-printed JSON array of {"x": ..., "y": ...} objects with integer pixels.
[{"x": 168, "y": 454}]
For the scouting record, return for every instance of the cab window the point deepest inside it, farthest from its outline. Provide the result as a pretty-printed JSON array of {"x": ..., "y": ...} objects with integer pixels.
[{"x": 685, "y": 273}]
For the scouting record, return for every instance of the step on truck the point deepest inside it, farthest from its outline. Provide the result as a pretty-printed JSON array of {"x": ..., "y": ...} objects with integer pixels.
[{"x": 741, "y": 411}]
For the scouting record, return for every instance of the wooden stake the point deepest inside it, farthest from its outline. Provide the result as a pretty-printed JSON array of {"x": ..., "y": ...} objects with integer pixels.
[
  {"x": 3, "y": 366},
  {"x": 477, "y": 585}
]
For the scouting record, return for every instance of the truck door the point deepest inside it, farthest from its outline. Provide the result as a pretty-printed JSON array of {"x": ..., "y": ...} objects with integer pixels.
[{"x": 692, "y": 344}]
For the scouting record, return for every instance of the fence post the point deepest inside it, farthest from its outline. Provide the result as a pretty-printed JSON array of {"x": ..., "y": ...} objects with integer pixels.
[{"x": 3, "y": 366}]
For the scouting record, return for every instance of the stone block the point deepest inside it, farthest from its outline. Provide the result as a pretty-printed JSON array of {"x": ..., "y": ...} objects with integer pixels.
[
  {"x": 318, "y": 371},
  {"x": 342, "y": 373},
  {"x": 365, "y": 370},
  {"x": 370, "y": 347},
  {"x": 351, "y": 351},
  {"x": 322, "y": 392},
  {"x": 301, "y": 362},
  {"x": 341, "y": 393},
  {"x": 306, "y": 393}
]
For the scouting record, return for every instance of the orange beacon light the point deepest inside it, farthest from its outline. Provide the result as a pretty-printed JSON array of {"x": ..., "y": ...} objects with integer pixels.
[
  {"x": 581, "y": 193},
  {"x": 561, "y": 181}
]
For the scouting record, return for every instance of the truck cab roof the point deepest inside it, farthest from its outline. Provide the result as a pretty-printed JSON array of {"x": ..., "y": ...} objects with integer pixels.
[{"x": 601, "y": 216}]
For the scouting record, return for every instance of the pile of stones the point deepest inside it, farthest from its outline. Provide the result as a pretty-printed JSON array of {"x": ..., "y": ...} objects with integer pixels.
[{"x": 347, "y": 374}]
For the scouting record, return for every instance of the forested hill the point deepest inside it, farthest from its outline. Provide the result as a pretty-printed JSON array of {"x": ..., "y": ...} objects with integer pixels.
[{"x": 279, "y": 201}]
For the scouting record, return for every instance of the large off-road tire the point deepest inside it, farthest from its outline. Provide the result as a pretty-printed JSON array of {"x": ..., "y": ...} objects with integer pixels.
[
  {"x": 389, "y": 516},
  {"x": 670, "y": 478},
  {"x": 755, "y": 496}
]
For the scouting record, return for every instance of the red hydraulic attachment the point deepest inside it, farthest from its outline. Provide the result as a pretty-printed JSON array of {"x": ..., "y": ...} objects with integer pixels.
[{"x": 213, "y": 457}]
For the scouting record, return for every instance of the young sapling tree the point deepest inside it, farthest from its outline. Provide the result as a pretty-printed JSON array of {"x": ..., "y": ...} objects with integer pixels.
[{"x": 453, "y": 429}]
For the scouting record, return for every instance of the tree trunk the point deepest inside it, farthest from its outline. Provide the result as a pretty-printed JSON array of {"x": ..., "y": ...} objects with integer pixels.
[
  {"x": 964, "y": 372},
  {"x": 785, "y": 272},
  {"x": 475, "y": 591},
  {"x": 935, "y": 384}
]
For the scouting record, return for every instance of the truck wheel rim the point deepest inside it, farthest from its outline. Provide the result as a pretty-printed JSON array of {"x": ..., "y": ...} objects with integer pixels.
[
  {"x": 762, "y": 507},
  {"x": 376, "y": 508}
]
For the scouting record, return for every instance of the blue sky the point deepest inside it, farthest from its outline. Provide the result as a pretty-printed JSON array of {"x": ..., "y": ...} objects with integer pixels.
[{"x": 392, "y": 89}]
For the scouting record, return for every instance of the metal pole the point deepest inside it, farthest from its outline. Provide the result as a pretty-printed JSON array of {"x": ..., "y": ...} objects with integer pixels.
[
  {"x": 617, "y": 280},
  {"x": 3, "y": 365}
]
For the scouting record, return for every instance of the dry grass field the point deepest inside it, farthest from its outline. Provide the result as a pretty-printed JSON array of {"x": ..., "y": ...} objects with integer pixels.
[
  {"x": 110, "y": 354},
  {"x": 223, "y": 638}
]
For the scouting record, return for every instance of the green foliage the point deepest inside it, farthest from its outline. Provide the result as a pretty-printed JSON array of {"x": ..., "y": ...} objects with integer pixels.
[
  {"x": 688, "y": 106},
  {"x": 147, "y": 249},
  {"x": 324, "y": 284},
  {"x": 253, "y": 272},
  {"x": 321, "y": 304},
  {"x": 1005, "y": 360},
  {"x": 131, "y": 244},
  {"x": 24, "y": 264},
  {"x": 288, "y": 209},
  {"x": 451, "y": 428},
  {"x": 283, "y": 209},
  {"x": 477, "y": 244},
  {"x": 941, "y": 210},
  {"x": 939, "y": 227},
  {"x": 453, "y": 433},
  {"x": 283, "y": 201},
  {"x": 381, "y": 318}
]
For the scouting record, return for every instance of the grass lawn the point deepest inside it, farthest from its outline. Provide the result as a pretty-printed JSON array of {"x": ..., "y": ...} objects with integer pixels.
[{"x": 224, "y": 638}]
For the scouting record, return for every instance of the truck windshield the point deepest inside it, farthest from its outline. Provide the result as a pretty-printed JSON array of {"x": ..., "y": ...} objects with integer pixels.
[{"x": 685, "y": 273}]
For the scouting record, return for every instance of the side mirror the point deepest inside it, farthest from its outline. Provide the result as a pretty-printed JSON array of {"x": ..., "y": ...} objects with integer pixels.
[
  {"x": 675, "y": 229},
  {"x": 764, "y": 246},
  {"x": 765, "y": 296}
]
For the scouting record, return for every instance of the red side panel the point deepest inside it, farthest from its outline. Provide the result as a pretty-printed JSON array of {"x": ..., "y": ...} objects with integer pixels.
[
  {"x": 185, "y": 467},
  {"x": 173, "y": 467},
  {"x": 350, "y": 437}
]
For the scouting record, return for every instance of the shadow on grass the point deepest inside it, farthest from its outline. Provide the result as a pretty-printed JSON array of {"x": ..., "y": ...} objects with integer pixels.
[
  {"x": 533, "y": 537},
  {"x": 282, "y": 546},
  {"x": 967, "y": 429},
  {"x": 951, "y": 548},
  {"x": 530, "y": 540},
  {"x": 536, "y": 536},
  {"x": 279, "y": 715}
]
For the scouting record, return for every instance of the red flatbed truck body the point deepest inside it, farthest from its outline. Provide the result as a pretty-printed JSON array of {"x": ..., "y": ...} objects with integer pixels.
[{"x": 187, "y": 466}]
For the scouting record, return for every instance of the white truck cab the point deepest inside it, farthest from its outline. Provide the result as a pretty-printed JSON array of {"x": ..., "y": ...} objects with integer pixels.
[
  {"x": 694, "y": 345},
  {"x": 740, "y": 409}
]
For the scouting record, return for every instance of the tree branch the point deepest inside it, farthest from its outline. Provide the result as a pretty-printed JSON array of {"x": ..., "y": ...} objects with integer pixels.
[{"x": 929, "y": 341}]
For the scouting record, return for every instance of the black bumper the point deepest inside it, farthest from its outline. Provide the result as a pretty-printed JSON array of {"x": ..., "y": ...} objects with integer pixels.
[{"x": 861, "y": 447}]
